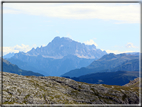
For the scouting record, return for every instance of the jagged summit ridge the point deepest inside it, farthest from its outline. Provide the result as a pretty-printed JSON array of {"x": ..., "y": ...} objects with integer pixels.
[
  {"x": 57, "y": 38},
  {"x": 59, "y": 56},
  {"x": 60, "y": 47}
]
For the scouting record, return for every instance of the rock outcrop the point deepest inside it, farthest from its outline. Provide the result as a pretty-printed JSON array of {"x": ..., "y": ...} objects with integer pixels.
[
  {"x": 19, "y": 89},
  {"x": 134, "y": 83}
]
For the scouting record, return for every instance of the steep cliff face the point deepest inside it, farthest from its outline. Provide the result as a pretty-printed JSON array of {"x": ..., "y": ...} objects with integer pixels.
[{"x": 58, "y": 90}]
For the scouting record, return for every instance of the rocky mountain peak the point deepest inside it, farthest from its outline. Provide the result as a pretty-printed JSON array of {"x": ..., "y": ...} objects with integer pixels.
[
  {"x": 108, "y": 57},
  {"x": 62, "y": 46},
  {"x": 61, "y": 39},
  {"x": 9, "y": 55}
]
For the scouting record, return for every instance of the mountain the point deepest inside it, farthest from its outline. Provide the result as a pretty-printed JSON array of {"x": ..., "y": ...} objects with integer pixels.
[
  {"x": 133, "y": 53},
  {"x": 111, "y": 60},
  {"x": 58, "y": 57},
  {"x": 49, "y": 66},
  {"x": 109, "y": 78},
  {"x": 9, "y": 55},
  {"x": 60, "y": 47},
  {"x": 129, "y": 65},
  {"x": 11, "y": 68},
  {"x": 27, "y": 65},
  {"x": 120, "y": 75},
  {"x": 58, "y": 90},
  {"x": 107, "y": 63}
]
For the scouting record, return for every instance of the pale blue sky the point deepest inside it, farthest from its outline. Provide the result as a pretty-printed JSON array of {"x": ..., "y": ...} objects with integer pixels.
[{"x": 111, "y": 27}]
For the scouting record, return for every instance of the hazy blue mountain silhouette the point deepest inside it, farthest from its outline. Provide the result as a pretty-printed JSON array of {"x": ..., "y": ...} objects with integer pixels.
[
  {"x": 49, "y": 66},
  {"x": 133, "y": 53},
  {"x": 119, "y": 75},
  {"x": 129, "y": 65},
  {"x": 60, "y": 47},
  {"x": 109, "y": 78},
  {"x": 107, "y": 63},
  {"x": 9, "y": 55},
  {"x": 11, "y": 68},
  {"x": 58, "y": 57}
]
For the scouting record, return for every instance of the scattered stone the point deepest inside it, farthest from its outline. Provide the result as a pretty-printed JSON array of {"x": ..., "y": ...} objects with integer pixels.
[
  {"x": 134, "y": 83},
  {"x": 58, "y": 90}
]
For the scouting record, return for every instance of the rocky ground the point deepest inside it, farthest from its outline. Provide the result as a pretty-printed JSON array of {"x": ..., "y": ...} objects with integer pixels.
[
  {"x": 134, "y": 83},
  {"x": 58, "y": 90}
]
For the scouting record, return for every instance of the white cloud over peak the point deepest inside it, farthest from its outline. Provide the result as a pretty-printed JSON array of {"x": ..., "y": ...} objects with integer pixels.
[
  {"x": 120, "y": 12},
  {"x": 112, "y": 51},
  {"x": 117, "y": 52},
  {"x": 16, "y": 49},
  {"x": 91, "y": 42},
  {"x": 130, "y": 45},
  {"x": 43, "y": 45},
  {"x": 23, "y": 47},
  {"x": 69, "y": 36}
]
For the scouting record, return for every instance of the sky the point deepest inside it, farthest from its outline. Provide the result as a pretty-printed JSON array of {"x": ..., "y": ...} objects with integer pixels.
[{"x": 113, "y": 27}]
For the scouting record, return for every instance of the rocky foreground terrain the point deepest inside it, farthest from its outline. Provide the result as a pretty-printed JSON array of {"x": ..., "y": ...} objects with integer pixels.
[
  {"x": 134, "y": 83},
  {"x": 19, "y": 89}
]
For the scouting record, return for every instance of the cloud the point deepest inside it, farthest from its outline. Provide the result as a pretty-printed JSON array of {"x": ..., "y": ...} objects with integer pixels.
[
  {"x": 16, "y": 49},
  {"x": 120, "y": 12},
  {"x": 102, "y": 49},
  {"x": 130, "y": 45},
  {"x": 43, "y": 45},
  {"x": 69, "y": 36},
  {"x": 117, "y": 52},
  {"x": 113, "y": 51},
  {"x": 34, "y": 46},
  {"x": 94, "y": 38},
  {"x": 57, "y": 31},
  {"x": 8, "y": 11},
  {"x": 23, "y": 47},
  {"x": 91, "y": 42},
  {"x": 7, "y": 50}
]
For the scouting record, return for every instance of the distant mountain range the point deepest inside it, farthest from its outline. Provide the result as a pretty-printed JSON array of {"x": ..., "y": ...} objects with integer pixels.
[
  {"x": 111, "y": 69},
  {"x": 108, "y": 63},
  {"x": 133, "y": 53},
  {"x": 60, "y": 47},
  {"x": 9, "y": 55},
  {"x": 11, "y": 68},
  {"x": 80, "y": 62},
  {"x": 58, "y": 57},
  {"x": 109, "y": 78},
  {"x": 129, "y": 65},
  {"x": 49, "y": 66}
]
